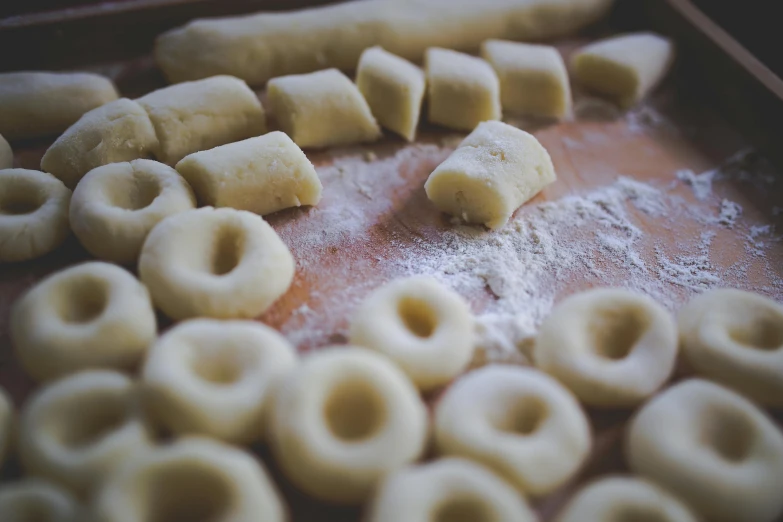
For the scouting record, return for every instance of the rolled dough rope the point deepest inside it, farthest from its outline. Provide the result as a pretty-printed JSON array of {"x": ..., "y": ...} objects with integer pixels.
[
  {"x": 262, "y": 175},
  {"x": 494, "y": 170},
  {"x": 34, "y": 499},
  {"x": 34, "y": 104},
  {"x": 6, "y": 154},
  {"x": 7, "y": 424},
  {"x": 263, "y": 46}
]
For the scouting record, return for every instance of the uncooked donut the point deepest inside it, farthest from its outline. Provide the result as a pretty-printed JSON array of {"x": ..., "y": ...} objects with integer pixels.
[
  {"x": 221, "y": 263},
  {"x": 6, "y": 154},
  {"x": 611, "y": 347},
  {"x": 342, "y": 420},
  {"x": 33, "y": 500},
  {"x": 115, "y": 206},
  {"x": 519, "y": 422},
  {"x": 424, "y": 327},
  {"x": 7, "y": 424},
  {"x": 92, "y": 315},
  {"x": 720, "y": 453},
  {"x": 33, "y": 214}
]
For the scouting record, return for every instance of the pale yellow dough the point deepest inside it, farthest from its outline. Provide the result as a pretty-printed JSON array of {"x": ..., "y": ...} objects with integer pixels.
[
  {"x": 6, "y": 154},
  {"x": 33, "y": 500},
  {"x": 494, "y": 170},
  {"x": 7, "y": 425},
  {"x": 262, "y": 175}
]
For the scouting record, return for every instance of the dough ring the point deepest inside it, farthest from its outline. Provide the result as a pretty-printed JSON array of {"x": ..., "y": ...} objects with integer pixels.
[
  {"x": 215, "y": 377},
  {"x": 33, "y": 500},
  {"x": 192, "y": 479},
  {"x": 611, "y": 347},
  {"x": 33, "y": 214},
  {"x": 736, "y": 338},
  {"x": 221, "y": 263},
  {"x": 7, "y": 424},
  {"x": 715, "y": 449},
  {"x": 77, "y": 430},
  {"x": 92, "y": 315},
  {"x": 115, "y": 206},
  {"x": 519, "y": 422},
  {"x": 419, "y": 324},
  {"x": 446, "y": 490},
  {"x": 342, "y": 420}
]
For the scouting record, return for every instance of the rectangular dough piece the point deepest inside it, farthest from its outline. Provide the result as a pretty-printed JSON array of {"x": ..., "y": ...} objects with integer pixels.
[
  {"x": 36, "y": 104},
  {"x": 6, "y": 154},
  {"x": 533, "y": 78},
  {"x": 193, "y": 116},
  {"x": 262, "y": 175}
]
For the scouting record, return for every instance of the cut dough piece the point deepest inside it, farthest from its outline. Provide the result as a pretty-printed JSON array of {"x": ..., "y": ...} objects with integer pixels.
[
  {"x": 736, "y": 338},
  {"x": 33, "y": 214},
  {"x": 193, "y": 116},
  {"x": 394, "y": 89},
  {"x": 92, "y": 315},
  {"x": 462, "y": 90},
  {"x": 191, "y": 479},
  {"x": 221, "y": 263},
  {"x": 216, "y": 378},
  {"x": 720, "y": 453},
  {"x": 448, "y": 490},
  {"x": 115, "y": 206},
  {"x": 519, "y": 422},
  {"x": 33, "y": 500},
  {"x": 117, "y": 131},
  {"x": 611, "y": 347},
  {"x": 427, "y": 329},
  {"x": 623, "y": 68},
  {"x": 494, "y": 170},
  {"x": 321, "y": 109},
  {"x": 7, "y": 424},
  {"x": 342, "y": 420},
  {"x": 533, "y": 78},
  {"x": 34, "y": 104},
  {"x": 262, "y": 175},
  {"x": 6, "y": 154}
]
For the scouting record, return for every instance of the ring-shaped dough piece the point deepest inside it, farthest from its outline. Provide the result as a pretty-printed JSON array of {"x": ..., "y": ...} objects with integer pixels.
[
  {"x": 424, "y": 327},
  {"x": 92, "y": 315},
  {"x": 624, "y": 499},
  {"x": 447, "y": 490},
  {"x": 736, "y": 338},
  {"x": 716, "y": 450},
  {"x": 216, "y": 378},
  {"x": 6, "y": 154},
  {"x": 517, "y": 421},
  {"x": 33, "y": 214},
  {"x": 115, "y": 206},
  {"x": 33, "y": 500},
  {"x": 342, "y": 420},
  {"x": 191, "y": 479},
  {"x": 611, "y": 347},
  {"x": 77, "y": 431},
  {"x": 221, "y": 263},
  {"x": 7, "y": 424}
]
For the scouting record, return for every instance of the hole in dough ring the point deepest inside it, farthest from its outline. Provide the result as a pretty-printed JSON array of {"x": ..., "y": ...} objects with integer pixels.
[
  {"x": 33, "y": 500},
  {"x": 221, "y": 263},
  {"x": 422, "y": 326},
  {"x": 736, "y": 338},
  {"x": 7, "y": 423},
  {"x": 33, "y": 214},
  {"x": 611, "y": 347},
  {"x": 519, "y": 422},
  {"x": 719, "y": 452},
  {"x": 342, "y": 420}
]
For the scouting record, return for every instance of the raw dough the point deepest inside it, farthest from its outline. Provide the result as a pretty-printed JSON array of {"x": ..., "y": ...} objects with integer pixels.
[
  {"x": 262, "y": 175},
  {"x": 393, "y": 88},
  {"x": 462, "y": 90},
  {"x": 623, "y": 68},
  {"x": 611, "y": 347},
  {"x": 321, "y": 109},
  {"x": 519, "y": 422},
  {"x": 33, "y": 500},
  {"x": 188, "y": 480},
  {"x": 342, "y": 420},
  {"x": 494, "y": 170},
  {"x": 216, "y": 378},
  {"x": 117, "y": 131},
  {"x": 424, "y": 327},
  {"x": 92, "y": 315},
  {"x": 221, "y": 263},
  {"x": 6, "y": 154},
  {"x": 34, "y": 104},
  {"x": 720, "y": 453},
  {"x": 448, "y": 490},
  {"x": 533, "y": 78},
  {"x": 33, "y": 214},
  {"x": 7, "y": 424},
  {"x": 200, "y": 115}
]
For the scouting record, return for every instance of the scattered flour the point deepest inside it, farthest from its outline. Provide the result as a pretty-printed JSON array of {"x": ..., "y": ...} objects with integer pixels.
[{"x": 700, "y": 183}]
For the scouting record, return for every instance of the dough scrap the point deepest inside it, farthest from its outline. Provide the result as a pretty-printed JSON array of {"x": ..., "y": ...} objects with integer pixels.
[
  {"x": 6, "y": 154},
  {"x": 7, "y": 424},
  {"x": 33, "y": 499}
]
